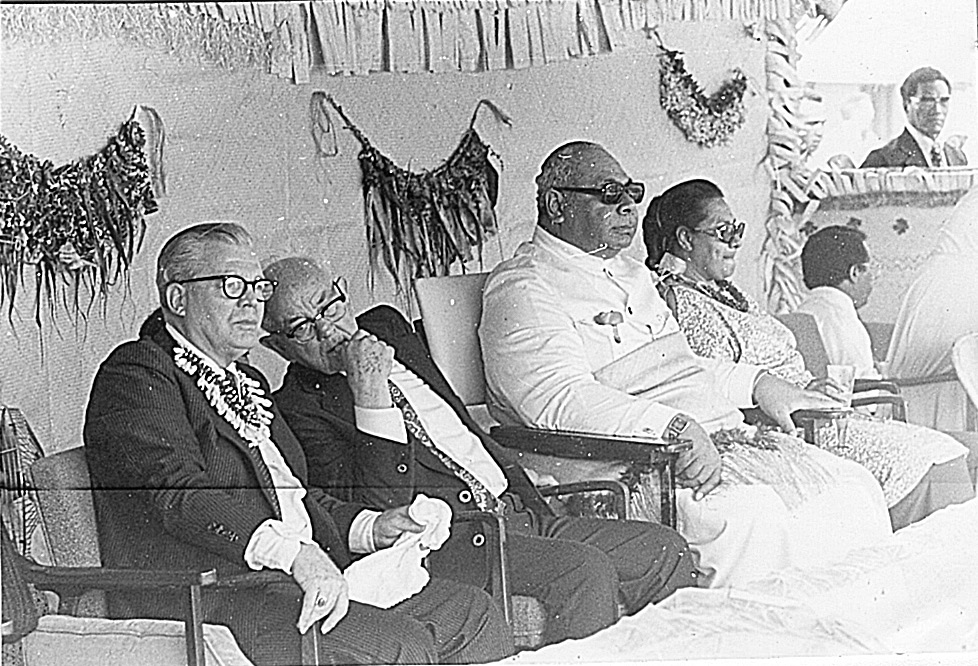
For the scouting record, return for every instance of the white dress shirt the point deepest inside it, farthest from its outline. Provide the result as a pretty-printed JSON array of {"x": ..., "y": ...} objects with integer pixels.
[
  {"x": 542, "y": 345},
  {"x": 845, "y": 338},
  {"x": 442, "y": 424},
  {"x": 927, "y": 144},
  {"x": 275, "y": 543}
]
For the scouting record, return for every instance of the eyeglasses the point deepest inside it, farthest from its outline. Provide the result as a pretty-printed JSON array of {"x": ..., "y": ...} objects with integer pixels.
[
  {"x": 234, "y": 286},
  {"x": 931, "y": 102},
  {"x": 334, "y": 310},
  {"x": 728, "y": 232},
  {"x": 611, "y": 192}
]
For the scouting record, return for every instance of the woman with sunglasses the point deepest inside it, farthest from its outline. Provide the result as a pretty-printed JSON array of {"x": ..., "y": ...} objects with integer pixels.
[{"x": 692, "y": 240}]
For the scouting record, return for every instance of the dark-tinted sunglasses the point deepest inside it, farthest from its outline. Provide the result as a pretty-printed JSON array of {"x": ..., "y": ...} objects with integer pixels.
[
  {"x": 728, "y": 232},
  {"x": 611, "y": 192},
  {"x": 234, "y": 286}
]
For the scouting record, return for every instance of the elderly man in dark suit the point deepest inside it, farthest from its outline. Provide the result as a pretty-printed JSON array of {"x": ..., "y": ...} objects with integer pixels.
[
  {"x": 379, "y": 422},
  {"x": 926, "y": 97},
  {"x": 194, "y": 467}
]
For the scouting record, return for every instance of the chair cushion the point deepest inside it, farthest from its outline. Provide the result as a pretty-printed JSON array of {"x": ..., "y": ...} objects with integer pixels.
[{"x": 74, "y": 641}]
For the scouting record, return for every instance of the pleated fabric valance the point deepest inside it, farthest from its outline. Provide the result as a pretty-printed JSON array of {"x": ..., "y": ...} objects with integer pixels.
[{"x": 363, "y": 36}]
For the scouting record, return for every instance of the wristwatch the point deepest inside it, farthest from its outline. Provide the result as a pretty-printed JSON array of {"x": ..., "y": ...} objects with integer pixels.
[{"x": 677, "y": 426}]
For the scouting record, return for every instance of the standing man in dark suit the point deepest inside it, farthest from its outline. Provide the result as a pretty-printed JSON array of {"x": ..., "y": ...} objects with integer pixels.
[
  {"x": 379, "y": 422},
  {"x": 193, "y": 467},
  {"x": 926, "y": 97}
]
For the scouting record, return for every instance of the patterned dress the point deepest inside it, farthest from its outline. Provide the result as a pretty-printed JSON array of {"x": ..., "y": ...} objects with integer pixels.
[{"x": 898, "y": 454}]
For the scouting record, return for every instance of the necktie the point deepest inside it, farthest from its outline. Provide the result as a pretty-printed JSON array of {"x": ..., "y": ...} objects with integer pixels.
[
  {"x": 936, "y": 156},
  {"x": 484, "y": 499}
]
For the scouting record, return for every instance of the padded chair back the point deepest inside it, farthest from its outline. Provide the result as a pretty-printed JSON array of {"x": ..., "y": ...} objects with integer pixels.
[
  {"x": 455, "y": 349},
  {"x": 64, "y": 496},
  {"x": 810, "y": 345},
  {"x": 964, "y": 358}
]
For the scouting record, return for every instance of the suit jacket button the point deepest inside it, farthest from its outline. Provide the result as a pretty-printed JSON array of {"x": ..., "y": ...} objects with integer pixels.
[
  {"x": 402, "y": 469},
  {"x": 478, "y": 540},
  {"x": 465, "y": 497}
]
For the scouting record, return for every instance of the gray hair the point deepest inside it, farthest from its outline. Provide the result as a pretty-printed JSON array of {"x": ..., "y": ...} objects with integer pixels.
[{"x": 186, "y": 253}]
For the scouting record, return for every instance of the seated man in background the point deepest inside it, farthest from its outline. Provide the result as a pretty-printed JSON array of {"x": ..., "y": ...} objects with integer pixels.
[
  {"x": 194, "y": 468},
  {"x": 836, "y": 268},
  {"x": 575, "y": 336},
  {"x": 926, "y": 95},
  {"x": 379, "y": 423}
]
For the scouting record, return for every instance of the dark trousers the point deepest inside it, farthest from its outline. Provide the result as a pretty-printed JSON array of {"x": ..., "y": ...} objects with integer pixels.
[
  {"x": 447, "y": 622},
  {"x": 579, "y": 568}
]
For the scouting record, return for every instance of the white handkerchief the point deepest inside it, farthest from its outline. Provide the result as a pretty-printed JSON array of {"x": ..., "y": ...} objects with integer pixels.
[{"x": 391, "y": 575}]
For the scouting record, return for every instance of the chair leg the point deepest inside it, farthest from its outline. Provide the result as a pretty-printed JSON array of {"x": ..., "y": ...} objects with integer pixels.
[
  {"x": 195, "y": 629},
  {"x": 310, "y": 646},
  {"x": 667, "y": 495}
]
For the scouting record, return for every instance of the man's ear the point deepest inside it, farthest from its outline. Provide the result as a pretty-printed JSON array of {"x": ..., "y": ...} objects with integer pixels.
[
  {"x": 554, "y": 202},
  {"x": 175, "y": 298},
  {"x": 854, "y": 272}
]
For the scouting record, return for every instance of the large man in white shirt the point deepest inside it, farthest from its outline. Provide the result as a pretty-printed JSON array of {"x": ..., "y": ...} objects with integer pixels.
[
  {"x": 926, "y": 95},
  {"x": 575, "y": 336},
  {"x": 379, "y": 424},
  {"x": 194, "y": 468},
  {"x": 836, "y": 268}
]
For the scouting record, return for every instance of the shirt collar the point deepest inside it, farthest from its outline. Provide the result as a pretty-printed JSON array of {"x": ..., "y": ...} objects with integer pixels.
[
  {"x": 188, "y": 345},
  {"x": 925, "y": 142},
  {"x": 836, "y": 297},
  {"x": 564, "y": 250}
]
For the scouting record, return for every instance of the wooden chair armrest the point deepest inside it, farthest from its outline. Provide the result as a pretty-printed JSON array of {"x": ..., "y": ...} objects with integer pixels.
[
  {"x": 922, "y": 381},
  {"x": 897, "y": 401},
  {"x": 620, "y": 491},
  {"x": 589, "y": 446},
  {"x": 71, "y": 579},
  {"x": 889, "y": 386}
]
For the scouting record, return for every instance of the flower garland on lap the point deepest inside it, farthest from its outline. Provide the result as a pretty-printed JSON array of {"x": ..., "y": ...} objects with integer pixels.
[{"x": 244, "y": 405}]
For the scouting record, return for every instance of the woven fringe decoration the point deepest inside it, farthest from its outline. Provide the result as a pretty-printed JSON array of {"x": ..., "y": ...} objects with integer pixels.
[
  {"x": 420, "y": 224},
  {"x": 290, "y": 39},
  {"x": 78, "y": 225}
]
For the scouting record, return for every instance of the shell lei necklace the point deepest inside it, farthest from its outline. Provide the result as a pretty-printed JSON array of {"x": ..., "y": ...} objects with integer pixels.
[{"x": 245, "y": 408}]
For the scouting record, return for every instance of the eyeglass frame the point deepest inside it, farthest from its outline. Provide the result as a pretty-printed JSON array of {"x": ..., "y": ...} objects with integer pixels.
[
  {"x": 225, "y": 277},
  {"x": 602, "y": 192},
  {"x": 320, "y": 315},
  {"x": 932, "y": 102},
  {"x": 714, "y": 232}
]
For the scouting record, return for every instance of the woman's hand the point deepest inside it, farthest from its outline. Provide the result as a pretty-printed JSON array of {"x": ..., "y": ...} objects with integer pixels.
[
  {"x": 778, "y": 399},
  {"x": 825, "y": 385}
]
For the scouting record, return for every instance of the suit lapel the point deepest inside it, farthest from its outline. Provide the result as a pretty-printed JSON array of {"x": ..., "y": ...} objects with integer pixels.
[{"x": 223, "y": 429}]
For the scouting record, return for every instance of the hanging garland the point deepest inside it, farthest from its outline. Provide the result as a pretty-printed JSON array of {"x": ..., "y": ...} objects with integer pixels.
[
  {"x": 706, "y": 121},
  {"x": 419, "y": 224},
  {"x": 77, "y": 224}
]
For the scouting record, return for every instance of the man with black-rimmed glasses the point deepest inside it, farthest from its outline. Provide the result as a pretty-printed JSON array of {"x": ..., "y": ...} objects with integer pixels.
[{"x": 926, "y": 95}]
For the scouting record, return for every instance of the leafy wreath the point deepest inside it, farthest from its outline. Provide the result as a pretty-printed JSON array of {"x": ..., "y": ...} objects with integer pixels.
[
  {"x": 77, "y": 224},
  {"x": 706, "y": 121},
  {"x": 421, "y": 223}
]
